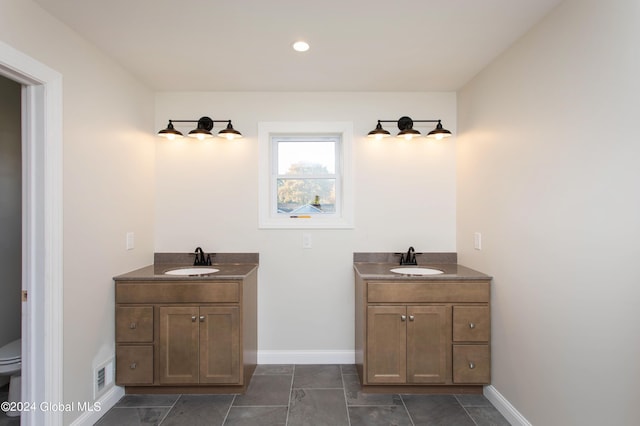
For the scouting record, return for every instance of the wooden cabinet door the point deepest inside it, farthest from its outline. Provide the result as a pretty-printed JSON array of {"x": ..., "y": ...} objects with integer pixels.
[
  {"x": 178, "y": 345},
  {"x": 386, "y": 344},
  {"x": 428, "y": 344},
  {"x": 220, "y": 344}
]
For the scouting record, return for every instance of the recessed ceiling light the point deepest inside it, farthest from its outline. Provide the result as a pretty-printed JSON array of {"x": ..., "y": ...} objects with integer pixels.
[{"x": 300, "y": 46}]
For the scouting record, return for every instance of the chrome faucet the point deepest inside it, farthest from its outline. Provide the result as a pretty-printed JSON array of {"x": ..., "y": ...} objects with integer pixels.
[
  {"x": 409, "y": 258},
  {"x": 200, "y": 259}
]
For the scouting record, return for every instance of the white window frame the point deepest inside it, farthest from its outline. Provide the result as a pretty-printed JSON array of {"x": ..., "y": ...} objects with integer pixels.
[{"x": 268, "y": 217}]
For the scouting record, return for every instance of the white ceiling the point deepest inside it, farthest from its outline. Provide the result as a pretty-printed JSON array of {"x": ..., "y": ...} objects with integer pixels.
[{"x": 356, "y": 45}]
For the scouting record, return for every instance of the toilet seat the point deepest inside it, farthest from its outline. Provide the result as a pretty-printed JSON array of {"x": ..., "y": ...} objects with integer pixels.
[
  {"x": 11, "y": 364},
  {"x": 11, "y": 352}
]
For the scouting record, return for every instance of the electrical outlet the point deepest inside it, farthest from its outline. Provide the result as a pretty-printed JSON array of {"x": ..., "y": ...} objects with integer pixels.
[{"x": 306, "y": 240}]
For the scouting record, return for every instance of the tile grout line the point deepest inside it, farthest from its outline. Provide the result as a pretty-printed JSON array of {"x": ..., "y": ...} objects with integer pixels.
[
  {"x": 344, "y": 392},
  {"x": 407, "y": 410},
  {"x": 293, "y": 375},
  {"x": 229, "y": 409},
  {"x": 465, "y": 410},
  {"x": 470, "y": 416},
  {"x": 169, "y": 410},
  {"x": 257, "y": 406}
]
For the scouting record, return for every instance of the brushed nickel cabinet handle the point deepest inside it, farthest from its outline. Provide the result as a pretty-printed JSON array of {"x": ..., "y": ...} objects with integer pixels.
[
  {"x": 472, "y": 365},
  {"x": 133, "y": 326},
  {"x": 411, "y": 318},
  {"x": 201, "y": 318},
  {"x": 472, "y": 325},
  {"x": 403, "y": 317},
  {"x": 133, "y": 366},
  {"x": 193, "y": 318}
]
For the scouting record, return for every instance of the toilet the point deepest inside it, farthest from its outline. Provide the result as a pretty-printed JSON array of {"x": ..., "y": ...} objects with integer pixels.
[{"x": 11, "y": 365}]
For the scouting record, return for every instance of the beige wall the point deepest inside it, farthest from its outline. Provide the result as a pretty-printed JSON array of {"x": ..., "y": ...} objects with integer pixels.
[
  {"x": 108, "y": 157},
  {"x": 547, "y": 162},
  {"x": 207, "y": 195}
]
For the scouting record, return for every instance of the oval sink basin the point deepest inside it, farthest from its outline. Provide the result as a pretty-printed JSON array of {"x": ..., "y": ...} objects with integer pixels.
[
  {"x": 191, "y": 272},
  {"x": 416, "y": 271}
]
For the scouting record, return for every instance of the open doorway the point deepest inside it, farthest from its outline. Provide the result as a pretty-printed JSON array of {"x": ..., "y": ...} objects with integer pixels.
[
  {"x": 41, "y": 233},
  {"x": 11, "y": 241}
]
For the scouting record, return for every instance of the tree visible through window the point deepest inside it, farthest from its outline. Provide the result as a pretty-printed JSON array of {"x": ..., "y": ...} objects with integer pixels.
[{"x": 307, "y": 174}]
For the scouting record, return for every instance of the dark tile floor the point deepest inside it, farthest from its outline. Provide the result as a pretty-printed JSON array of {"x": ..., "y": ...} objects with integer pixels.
[{"x": 313, "y": 395}]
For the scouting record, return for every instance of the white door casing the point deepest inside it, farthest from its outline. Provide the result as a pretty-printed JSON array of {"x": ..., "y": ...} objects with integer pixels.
[{"x": 42, "y": 249}]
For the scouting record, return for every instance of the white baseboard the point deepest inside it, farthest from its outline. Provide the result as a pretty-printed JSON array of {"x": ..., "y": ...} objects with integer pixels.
[
  {"x": 505, "y": 408},
  {"x": 105, "y": 402},
  {"x": 306, "y": 357}
]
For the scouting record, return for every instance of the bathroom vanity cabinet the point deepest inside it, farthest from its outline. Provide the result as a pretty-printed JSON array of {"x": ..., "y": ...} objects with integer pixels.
[
  {"x": 199, "y": 344},
  {"x": 420, "y": 334},
  {"x": 186, "y": 335}
]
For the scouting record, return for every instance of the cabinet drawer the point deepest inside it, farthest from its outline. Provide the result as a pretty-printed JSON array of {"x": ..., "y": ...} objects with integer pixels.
[
  {"x": 471, "y": 364},
  {"x": 427, "y": 292},
  {"x": 177, "y": 292},
  {"x": 134, "y": 324},
  {"x": 134, "y": 365},
  {"x": 471, "y": 323}
]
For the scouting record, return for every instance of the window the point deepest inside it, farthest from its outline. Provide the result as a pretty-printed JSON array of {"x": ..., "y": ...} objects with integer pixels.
[{"x": 305, "y": 175}]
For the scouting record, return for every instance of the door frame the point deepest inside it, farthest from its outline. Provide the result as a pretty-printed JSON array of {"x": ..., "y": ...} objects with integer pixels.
[{"x": 42, "y": 237}]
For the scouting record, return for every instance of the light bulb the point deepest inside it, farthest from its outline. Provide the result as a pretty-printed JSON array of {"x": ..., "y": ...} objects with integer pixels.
[{"x": 300, "y": 46}]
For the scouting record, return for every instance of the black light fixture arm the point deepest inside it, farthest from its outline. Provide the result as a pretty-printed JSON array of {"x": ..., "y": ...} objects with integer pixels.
[
  {"x": 203, "y": 123},
  {"x": 414, "y": 121},
  {"x": 405, "y": 124}
]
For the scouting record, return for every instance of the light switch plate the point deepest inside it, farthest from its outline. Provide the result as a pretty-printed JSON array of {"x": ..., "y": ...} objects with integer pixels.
[
  {"x": 477, "y": 241},
  {"x": 130, "y": 241}
]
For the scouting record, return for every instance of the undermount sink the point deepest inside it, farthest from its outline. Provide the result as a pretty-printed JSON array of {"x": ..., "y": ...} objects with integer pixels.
[
  {"x": 416, "y": 271},
  {"x": 191, "y": 272}
]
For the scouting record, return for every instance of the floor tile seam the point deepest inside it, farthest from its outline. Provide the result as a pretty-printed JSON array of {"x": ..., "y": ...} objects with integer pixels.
[
  {"x": 344, "y": 393},
  {"x": 169, "y": 410},
  {"x": 224, "y": 420},
  {"x": 472, "y": 405},
  {"x": 147, "y": 406},
  {"x": 374, "y": 405},
  {"x": 470, "y": 416},
  {"x": 293, "y": 375},
  {"x": 407, "y": 410},
  {"x": 308, "y": 388},
  {"x": 273, "y": 374},
  {"x": 258, "y": 406}
]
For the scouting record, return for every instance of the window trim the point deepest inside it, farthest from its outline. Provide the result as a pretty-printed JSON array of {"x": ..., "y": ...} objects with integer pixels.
[{"x": 267, "y": 219}]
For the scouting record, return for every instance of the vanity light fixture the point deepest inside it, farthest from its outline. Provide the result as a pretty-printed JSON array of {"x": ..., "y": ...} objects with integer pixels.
[
  {"x": 202, "y": 131},
  {"x": 405, "y": 124}
]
